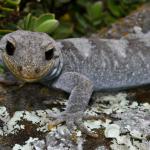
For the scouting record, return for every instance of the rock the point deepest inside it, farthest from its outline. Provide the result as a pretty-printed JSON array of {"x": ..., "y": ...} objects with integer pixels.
[{"x": 138, "y": 18}]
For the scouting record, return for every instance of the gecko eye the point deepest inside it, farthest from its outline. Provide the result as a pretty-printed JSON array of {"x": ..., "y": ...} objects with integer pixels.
[
  {"x": 10, "y": 48},
  {"x": 49, "y": 54}
]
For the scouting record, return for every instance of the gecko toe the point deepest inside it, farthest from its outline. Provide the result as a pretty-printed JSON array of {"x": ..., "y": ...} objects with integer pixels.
[
  {"x": 93, "y": 117},
  {"x": 85, "y": 130},
  {"x": 74, "y": 121}
]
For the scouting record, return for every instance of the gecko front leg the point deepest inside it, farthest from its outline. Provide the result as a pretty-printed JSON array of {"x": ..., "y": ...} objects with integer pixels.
[{"x": 80, "y": 89}]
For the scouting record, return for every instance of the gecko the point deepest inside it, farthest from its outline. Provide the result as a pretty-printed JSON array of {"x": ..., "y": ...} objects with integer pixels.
[{"x": 78, "y": 66}]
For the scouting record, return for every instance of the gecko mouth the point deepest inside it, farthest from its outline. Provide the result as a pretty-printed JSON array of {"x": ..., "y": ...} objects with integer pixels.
[
  {"x": 28, "y": 79},
  {"x": 27, "y": 74}
]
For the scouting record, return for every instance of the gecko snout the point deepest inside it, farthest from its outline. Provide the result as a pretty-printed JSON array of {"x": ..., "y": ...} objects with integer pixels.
[
  {"x": 19, "y": 68},
  {"x": 28, "y": 73},
  {"x": 28, "y": 70},
  {"x": 37, "y": 70}
]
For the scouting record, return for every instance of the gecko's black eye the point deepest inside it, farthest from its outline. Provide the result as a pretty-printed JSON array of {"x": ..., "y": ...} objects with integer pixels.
[
  {"x": 10, "y": 48},
  {"x": 49, "y": 54}
]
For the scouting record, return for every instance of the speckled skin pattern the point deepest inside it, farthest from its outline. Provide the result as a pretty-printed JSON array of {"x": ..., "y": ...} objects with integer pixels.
[{"x": 80, "y": 66}]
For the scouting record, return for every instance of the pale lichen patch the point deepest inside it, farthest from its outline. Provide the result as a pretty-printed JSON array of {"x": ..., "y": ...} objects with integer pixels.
[
  {"x": 27, "y": 146},
  {"x": 131, "y": 120}
]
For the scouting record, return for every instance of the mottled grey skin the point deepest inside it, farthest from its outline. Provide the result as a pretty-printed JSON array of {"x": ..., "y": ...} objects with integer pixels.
[{"x": 81, "y": 66}]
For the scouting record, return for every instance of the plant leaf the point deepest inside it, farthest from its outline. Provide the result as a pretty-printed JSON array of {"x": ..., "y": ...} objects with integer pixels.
[
  {"x": 47, "y": 26},
  {"x": 114, "y": 8},
  {"x": 13, "y": 2},
  {"x": 27, "y": 21},
  {"x": 64, "y": 30},
  {"x": 44, "y": 18},
  {"x": 95, "y": 11}
]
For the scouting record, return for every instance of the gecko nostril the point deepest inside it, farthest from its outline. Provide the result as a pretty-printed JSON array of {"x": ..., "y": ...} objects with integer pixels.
[
  {"x": 37, "y": 70},
  {"x": 19, "y": 68}
]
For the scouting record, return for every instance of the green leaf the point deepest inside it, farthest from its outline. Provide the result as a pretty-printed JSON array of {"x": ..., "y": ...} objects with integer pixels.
[
  {"x": 5, "y": 9},
  {"x": 81, "y": 20},
  {"x": 83, "y": 3},
  {"x": 45, "y": 23},
  {"x": 80, "y": 29},
  {"x": 2, "y": 15},
  {"x": 5, "y": 31},
  {"x": 114, "y": 8},
  {"x": 27, "y": 21},
  {"x": 96, "y": 22},
  {"x": 47, "y": 26},
  {"x": 44, "y": 18},
  {"x": 13, "y": 2},
  {"x": 95, "y": 10},
  {"x": 32, "y": 23},
  {"x": 108, "y": 18},
  {"x": 64, "y": 30}
]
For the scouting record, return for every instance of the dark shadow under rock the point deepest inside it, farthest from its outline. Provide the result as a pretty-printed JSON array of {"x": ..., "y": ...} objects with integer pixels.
[{"x": 29, "y": 97}]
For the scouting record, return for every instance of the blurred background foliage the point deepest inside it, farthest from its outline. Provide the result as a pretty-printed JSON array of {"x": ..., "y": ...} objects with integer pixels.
[{"x": 63, "y": 18}]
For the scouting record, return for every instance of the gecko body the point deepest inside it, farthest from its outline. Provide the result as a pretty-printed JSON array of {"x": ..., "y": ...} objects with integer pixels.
[{"x": 78, "y": 66}]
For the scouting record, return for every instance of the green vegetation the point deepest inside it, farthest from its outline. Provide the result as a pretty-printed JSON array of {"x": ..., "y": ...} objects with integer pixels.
[
  {"x": 74, "y": 17},
  {"x": 45, "y": 23}
]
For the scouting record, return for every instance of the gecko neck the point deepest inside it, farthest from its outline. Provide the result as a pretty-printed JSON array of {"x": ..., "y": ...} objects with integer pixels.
[{"x": 55, "y": 71}]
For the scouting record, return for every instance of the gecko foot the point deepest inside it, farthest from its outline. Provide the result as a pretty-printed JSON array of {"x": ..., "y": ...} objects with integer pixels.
[{"x": 74, "y": 121}]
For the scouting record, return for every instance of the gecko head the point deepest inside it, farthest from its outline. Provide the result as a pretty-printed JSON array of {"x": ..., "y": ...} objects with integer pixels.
[{"x": 29, "y": 55}]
